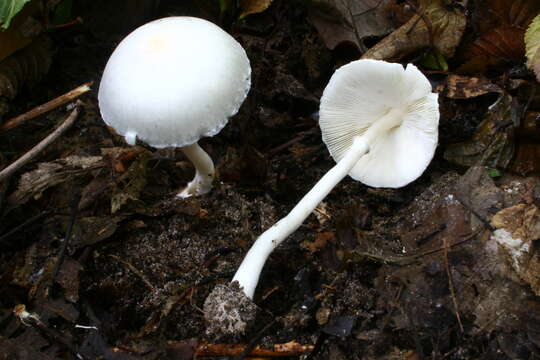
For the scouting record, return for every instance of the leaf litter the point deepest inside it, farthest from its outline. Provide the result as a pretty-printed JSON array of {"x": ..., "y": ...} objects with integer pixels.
[{"x": 112, "y": 266}]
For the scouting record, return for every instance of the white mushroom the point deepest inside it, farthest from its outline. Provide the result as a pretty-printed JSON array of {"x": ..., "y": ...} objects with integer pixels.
[
  {"x": 379, "y": 122},
  {"x": 171, "y": 82}
]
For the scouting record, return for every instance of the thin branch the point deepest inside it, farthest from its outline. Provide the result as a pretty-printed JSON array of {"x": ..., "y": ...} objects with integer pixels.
[
  {"x": 48, "y": 106},
  {"x": 23, "y": 160},
  {"x": 279, "y": 350},
  {"x": 135, "y": 271},
  {"x": 451, "y": 283}
]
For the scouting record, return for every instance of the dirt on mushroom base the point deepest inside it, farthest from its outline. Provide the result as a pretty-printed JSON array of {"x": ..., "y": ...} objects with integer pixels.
[{"x": 141, "y": 275}]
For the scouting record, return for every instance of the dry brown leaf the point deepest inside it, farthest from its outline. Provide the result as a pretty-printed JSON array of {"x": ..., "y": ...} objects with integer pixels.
[
  {"x": 248, "y": 7},
  {"x": 435, "y": 25},
  {"x": 49, "y": 174},
  {"x": 464, "y": 87},
  {"x": 350, "y": 21},
  {"x": 489, "y": 14},
  {"x": 518, "y": 227},
  {"x": 131, "y": 183},
  {"x": 502, "y": 43},
  {"x": 501, "y": 25}
]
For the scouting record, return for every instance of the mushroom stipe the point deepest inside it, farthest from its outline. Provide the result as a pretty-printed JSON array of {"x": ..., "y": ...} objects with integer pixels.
[
  {"x": 380, "y": 123},
  {"x": 163, "y": 85}
]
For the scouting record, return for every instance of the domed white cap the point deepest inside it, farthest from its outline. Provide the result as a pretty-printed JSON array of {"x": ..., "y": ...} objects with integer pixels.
[
  {"x": 364, "y": 91},
  {"x": 172, "y": 81}
]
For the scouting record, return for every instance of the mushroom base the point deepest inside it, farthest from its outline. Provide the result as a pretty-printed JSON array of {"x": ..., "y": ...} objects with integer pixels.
[{"x": 204, "y": 172}]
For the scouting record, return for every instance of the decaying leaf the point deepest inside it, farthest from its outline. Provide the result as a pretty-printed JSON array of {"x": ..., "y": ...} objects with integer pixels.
[
  {"x": 464, "y": 87},
  {"x": 49, "y": 174},
  {"x": 527, "y": 159},
  {"x": 342, "y": 21},
  {"x": 248, "y": 7},
  {"x": 25, "y": 67},
  {"x": 131, "y": 183},
  {"x": 8, "y": 10},
  {"x": 492, "y": 145},
  {"x": 532, "y": 40},
  {"x": 517, "y": 228},
  {"x": 92, "y": 230},
  {"x": 435, "y": 25}
]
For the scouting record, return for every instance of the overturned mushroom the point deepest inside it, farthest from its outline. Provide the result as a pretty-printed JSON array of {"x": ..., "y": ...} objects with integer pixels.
[
  {"x": 380, "y": 123},
  {"x": 171, "y": 82}
]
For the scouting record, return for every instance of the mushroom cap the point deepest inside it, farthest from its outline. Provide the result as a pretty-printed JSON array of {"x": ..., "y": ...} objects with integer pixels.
[
  {"x": 174, "y": 80},
  {"x": 364, "y": 91}
]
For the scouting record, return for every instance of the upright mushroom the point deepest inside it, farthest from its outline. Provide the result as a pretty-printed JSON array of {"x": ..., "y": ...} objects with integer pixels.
[
  {"x": 379, "y": 122},
  {"x": 171, "y": 82}
]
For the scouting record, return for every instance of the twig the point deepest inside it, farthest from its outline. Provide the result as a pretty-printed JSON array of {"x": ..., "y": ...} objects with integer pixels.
[
  {"x": 408, "y": 260},
  {"x": 48, "y": 106},
  {"x": 280, "y": 350},
  {"x": 250, "y": 348},
  {"x": 293, "y": 141},
  {"x": 135, "y": 270},
  {"x": 32, "y": 319},
  {"x": 23, "y": 160},
  {"x": 73, "y": 217},
  {"x": 451, "y": 283}
]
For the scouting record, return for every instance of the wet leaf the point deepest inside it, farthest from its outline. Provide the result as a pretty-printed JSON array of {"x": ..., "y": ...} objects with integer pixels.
[
  {"x": 8, "y": 10},
  {"x": 435, "y": 25},
  {"x": 339, "y": 326},
  {"x": 492, "y": 144},
  {"x": 248, "y": 7},
  {"x": 350, "y": 21},
  {"x": 131, "y": 183}
]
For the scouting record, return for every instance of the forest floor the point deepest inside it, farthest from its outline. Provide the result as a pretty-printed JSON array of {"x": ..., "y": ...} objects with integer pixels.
[{"x": 109, "y": 264}]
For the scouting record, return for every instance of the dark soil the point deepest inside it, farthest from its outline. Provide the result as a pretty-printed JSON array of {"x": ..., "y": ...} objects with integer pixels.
[{"x": 410, "y": 273}]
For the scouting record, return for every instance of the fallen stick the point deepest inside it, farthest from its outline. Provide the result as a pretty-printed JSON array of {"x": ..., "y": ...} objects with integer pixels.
[
  {"x": 23, "y": 160},
  {"x": 280, "y": 350},
  {"x": 48, "y": 106}
]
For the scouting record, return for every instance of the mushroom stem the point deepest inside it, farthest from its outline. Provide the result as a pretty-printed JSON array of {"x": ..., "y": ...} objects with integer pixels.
[
  {"x": 249, "y": 271},
  {"x": 204, "y": 171}
]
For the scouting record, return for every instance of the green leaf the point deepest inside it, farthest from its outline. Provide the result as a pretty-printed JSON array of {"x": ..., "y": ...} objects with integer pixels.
[
  {"x": 494, "y": 173},
  {"x": 8, "y": 9},
  {"x": 434, "y": 60}
]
